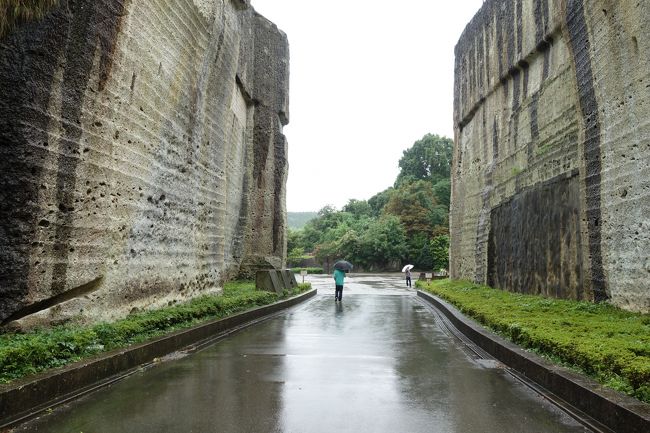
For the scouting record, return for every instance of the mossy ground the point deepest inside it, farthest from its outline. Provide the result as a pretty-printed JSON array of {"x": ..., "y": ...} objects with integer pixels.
[
  {"x": 23, "y": 354},
  {"x": 606, "y": 343}
]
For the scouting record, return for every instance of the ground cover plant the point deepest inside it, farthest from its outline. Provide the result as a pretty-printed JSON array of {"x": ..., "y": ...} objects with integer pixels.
[
  {"x": 606, "y": 343},
  {"x": 22, "y": 354},
  {"x": 309, "y": 270}
]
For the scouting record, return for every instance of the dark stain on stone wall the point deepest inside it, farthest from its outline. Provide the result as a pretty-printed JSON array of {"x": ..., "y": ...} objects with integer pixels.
[
  {"x": 526, "y": 72},
  {"x": 23, "y": 145},
  {"x": 481, "y": 55},
  {"x": 540, "y": 11},
  {"x": 484, "y": 125},
  {"x": 279, "y": 180},
  {"x": 29, "y": 58},
  {"x": 486, "y": 55},
  {"x": 500, "y": 42},
  {"x": 541, "y": 15},
  {"x": 90, "y": 25},
  {"x": 547, "y": 62},
  {"x": 518, "y": 12},
  {"x": 516, "y": 103},
  {"x": 534, "y": 241},
  {"x": 507, "y": 15},
  {"x": 581, "y": 51},
  {"x": 534, "y": 124},
  {"x": 495, "y": 140}
]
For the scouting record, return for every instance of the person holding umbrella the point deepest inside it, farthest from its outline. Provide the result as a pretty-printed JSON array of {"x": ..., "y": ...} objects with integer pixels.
[
  {"x": 340, "y": 268},
  {"x": 407, "y": 269}
]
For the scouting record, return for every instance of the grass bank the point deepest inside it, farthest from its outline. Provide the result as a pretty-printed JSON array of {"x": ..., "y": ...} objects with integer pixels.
[
  {"x": 23, "y": 354},
  {"x": 606, "y": 343}
]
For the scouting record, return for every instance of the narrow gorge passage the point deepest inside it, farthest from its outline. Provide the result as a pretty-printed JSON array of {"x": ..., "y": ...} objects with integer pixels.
[{"x": 376, "y": 362}]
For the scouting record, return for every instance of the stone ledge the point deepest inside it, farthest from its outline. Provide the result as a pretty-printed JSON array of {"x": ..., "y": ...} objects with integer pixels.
[
  {"x": 615, "y": 410},
  {"x": 23, "y": 398}
]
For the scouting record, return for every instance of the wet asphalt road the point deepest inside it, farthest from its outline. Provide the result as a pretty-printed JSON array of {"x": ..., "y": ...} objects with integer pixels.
[{"x": 376, "y": 362}]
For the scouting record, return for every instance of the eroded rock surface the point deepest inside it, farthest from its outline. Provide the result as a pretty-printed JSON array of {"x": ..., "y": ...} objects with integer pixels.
[
  {"x": 551, "y": 175},
  {"x": 142, "y": 157}
]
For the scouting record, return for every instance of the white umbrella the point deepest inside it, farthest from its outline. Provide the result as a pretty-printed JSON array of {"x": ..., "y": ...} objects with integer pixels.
[{"x": 407, "y": 268}]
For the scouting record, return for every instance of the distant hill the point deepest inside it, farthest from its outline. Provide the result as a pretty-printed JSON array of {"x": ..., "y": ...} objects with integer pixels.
[{"x": 297, "y": 220}]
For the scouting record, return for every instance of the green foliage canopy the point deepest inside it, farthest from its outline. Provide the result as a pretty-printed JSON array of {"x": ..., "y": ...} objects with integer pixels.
[
  {"x": 428, "y": 159},
  {"x": 407, "y": 222}
]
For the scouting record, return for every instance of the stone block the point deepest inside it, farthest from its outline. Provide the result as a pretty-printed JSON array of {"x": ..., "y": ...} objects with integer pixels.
[
  {"x": 288, "y": 278},
  {"x": 269, "y": 281},
  {"x": 292, "y": 278}
]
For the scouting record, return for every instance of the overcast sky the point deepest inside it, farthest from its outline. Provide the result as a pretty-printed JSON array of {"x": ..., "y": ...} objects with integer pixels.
[{"x": 368, "y": 79}]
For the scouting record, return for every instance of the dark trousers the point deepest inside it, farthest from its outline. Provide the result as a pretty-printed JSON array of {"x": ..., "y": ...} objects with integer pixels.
[
  {"x": 408, "y": 281},
  {"x": 339, "y": 292}
]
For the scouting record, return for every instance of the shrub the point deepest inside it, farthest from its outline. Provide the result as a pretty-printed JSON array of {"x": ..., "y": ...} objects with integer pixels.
[
  {"x": 22, "y": 354},
  {"x": 604, "y": 342},
  {"x": 309, "y": 270}
]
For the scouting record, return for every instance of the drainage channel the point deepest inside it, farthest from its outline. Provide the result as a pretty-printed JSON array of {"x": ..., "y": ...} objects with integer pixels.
[{"x": 478, "y": 354}]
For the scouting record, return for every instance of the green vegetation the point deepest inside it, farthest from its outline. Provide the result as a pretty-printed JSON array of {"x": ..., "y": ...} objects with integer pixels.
[
  {"x": 297, "y": 256},
  {"x": 13, "y": 12},
  {"x": 309, "y": 270},
  {"x": 603, "y": 342},
  {"x": 407, "y": 222},
  {"x": 22, "y": 354}
]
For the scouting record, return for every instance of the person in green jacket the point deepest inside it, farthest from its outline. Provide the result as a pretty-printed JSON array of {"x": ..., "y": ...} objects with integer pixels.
[{"x": 339, "y": 277}]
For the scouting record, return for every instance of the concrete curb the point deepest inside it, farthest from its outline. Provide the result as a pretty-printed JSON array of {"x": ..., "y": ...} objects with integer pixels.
[
  {"x": 616, "y": 411},
  {"x": 22, "y": 399}
]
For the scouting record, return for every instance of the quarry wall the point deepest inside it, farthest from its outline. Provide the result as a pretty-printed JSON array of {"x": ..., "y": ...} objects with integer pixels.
[
  {"x": 142, "y": 158},
  {"x": 551, "y": 171}
]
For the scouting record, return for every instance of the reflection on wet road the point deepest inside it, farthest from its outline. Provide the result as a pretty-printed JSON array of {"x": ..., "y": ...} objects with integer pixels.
[{"x": 375, "y": 362}]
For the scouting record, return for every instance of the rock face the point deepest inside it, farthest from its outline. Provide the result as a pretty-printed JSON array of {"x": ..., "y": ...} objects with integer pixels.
[
  {"x": 551, "y": 175},
  {"x": 142, "y": 157}
]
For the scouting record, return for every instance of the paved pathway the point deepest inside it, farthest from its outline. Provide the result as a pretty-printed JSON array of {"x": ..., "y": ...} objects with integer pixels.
[{"x": 376, "y": 362}]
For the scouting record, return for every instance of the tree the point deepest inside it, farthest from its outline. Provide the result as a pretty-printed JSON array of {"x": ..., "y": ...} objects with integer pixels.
[
  {"x": 295, "y": 239},
  {"x": 413, "y": 203},
  {"x": 428, "y": 159},
  {"x": 314, "y": 231},
  {"x": 425, "y": 258},
  {"x": 440, "y": 252},
  {"x": 379, "y": 200},
  {"x": 384, "y": 242},
  {"x": 326, "y": 252},
  {"x": 442, "y": 192},
  {"x": 358, "y": 208},
  {"x": 407, "y": 221},
  {"x": 295, "y": 256},
  {"x": 414, "y": 245}
]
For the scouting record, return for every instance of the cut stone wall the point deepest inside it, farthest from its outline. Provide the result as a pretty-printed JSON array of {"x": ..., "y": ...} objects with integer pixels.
[
  {"x": 142, "y": 158},
  {"x": 551, "y": 174}
]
